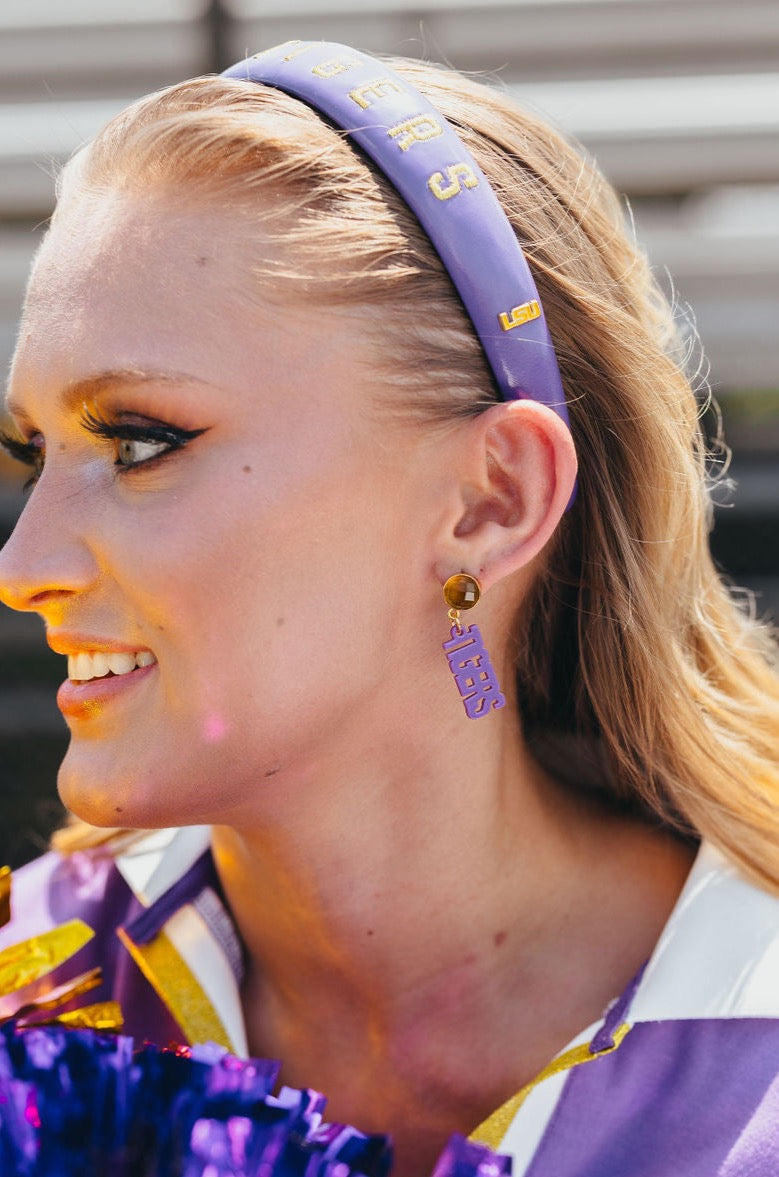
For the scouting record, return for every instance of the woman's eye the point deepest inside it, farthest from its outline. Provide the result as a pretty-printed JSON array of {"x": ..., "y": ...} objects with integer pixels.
[
  {"x": 31, "y": 453},
  {"x": 135, "y": 444},
  {"x": 134, "y": 451}
]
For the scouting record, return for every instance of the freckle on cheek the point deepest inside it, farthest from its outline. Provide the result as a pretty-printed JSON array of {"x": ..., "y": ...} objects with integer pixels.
[
  {"x": 279, "y": 621},
  {"x": 247, "y": 469}
]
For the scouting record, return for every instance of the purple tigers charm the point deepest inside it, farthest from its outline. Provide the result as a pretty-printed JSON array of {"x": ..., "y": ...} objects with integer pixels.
[{"x": 470, "y": 665}]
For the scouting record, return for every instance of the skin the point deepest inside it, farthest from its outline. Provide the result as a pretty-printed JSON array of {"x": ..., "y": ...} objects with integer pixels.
[{"x": 439, "y": 916}]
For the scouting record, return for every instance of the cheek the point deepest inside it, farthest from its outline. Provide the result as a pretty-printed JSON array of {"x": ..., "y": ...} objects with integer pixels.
[
  {"x": 278, "y": 607},
  {"x": 266, "y": 597}
]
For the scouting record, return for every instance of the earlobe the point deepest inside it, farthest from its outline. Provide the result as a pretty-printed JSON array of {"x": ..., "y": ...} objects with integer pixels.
[{"x": 518, "y": 476}]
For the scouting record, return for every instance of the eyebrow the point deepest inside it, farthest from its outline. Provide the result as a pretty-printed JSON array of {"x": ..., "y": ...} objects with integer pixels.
[{"x": 92, "y": 387}]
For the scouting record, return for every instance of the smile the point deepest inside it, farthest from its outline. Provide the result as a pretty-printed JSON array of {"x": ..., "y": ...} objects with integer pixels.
[
  {"x": 101, "y": 679},
  {"x": 85, "y": 666}
]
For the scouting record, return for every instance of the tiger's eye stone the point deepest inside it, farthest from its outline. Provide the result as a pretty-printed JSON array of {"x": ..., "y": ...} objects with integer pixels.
[{"x": 462, "y": 591}]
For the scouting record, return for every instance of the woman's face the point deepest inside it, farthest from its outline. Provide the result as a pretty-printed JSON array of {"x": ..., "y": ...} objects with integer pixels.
[{"x": 220, "y": 497}]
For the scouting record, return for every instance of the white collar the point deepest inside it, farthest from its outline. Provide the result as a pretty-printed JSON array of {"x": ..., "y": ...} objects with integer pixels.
[{"x": 718, "y": 955}]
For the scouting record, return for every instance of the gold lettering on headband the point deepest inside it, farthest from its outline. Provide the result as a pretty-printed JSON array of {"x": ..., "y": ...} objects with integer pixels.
[
  {"x": 332, "y": 67},
  {"x": 456, "y": 173},
  {"x": 519, "y": 315},
  {"x": 378, "y": 89},
  {"x": 302, "y": 47},
  {"x": 417, "y": 130}
]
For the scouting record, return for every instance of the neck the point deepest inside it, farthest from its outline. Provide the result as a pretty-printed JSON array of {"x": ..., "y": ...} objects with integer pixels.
[
  {"x": 383, "y": 873},
  {"x": 402, "y": 920}
]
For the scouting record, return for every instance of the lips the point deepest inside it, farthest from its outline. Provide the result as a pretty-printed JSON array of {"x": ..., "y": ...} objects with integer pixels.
[
  {"x": 100, "y": 671},
  {"x": 86, "y": 700}
]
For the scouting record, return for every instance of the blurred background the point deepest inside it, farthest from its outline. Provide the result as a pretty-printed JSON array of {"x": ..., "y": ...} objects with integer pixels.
[{"x": 677, "y": 99}]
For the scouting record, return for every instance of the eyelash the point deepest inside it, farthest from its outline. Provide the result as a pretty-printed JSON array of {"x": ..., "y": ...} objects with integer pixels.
[
  {"x": 152, "y": 432},
  {"x": 23, "y": 451}
]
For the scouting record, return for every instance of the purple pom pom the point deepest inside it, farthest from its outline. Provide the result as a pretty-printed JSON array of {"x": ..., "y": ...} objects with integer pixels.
[{"x": 77, "y": 1101}]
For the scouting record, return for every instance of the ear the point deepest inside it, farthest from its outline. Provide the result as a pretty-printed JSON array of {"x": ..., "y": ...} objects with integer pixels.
[{"x": 517, "y": 472}]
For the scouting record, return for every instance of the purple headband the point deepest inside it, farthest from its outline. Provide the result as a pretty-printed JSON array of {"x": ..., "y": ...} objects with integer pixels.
[{"x": 423, "y": 157}]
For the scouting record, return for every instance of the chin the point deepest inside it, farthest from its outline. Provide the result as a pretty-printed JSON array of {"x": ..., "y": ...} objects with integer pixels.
[{"x": 105, "y": 799}]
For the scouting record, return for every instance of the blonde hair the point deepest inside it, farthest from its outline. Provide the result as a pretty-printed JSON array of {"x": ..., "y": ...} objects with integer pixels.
[{"x": 629, "y": 639}]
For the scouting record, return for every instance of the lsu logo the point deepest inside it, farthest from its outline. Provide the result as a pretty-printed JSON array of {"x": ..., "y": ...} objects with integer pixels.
[{"x": 519, "y": 315}]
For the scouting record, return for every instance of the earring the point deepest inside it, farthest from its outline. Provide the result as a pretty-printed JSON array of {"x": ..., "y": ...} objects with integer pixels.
[{"x": 469, "y": 662}]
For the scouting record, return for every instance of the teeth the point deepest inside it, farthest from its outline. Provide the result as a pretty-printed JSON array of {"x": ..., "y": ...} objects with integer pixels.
[
  {"x": 85, "y": 666},
  {"x": 119, "y": 663},
  {"x": 100, "y": 666}
]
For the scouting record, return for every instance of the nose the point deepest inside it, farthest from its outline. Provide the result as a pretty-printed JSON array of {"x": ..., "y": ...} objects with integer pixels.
[{"x": 46, "y": 561}]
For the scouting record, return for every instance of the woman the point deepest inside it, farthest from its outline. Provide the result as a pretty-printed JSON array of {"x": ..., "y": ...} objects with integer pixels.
[{"x": 271, "y": 435}]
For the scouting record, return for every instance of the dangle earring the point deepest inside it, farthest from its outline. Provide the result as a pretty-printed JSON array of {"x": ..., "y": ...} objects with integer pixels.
[{"x": 469, "y": 662}]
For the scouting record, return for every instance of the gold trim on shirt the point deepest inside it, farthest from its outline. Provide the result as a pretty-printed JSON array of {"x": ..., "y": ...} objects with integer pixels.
[
  {"x": 178, "y": 988},
  {"x": 492, "y": 1130}
]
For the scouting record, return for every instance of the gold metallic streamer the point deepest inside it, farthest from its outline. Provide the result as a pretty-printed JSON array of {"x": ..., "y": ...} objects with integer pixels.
[
  {"x": 103, "y": 1015},
  {"x": 53, "y": 998},
  {"x": 32, "y": 959}
]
